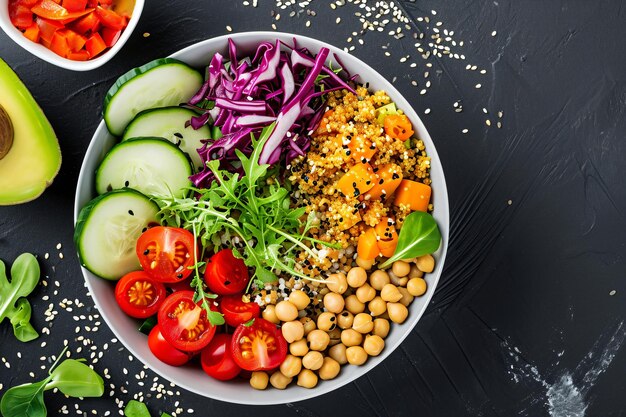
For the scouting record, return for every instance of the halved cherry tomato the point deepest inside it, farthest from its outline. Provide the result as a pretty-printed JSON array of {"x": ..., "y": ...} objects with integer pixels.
[
  {"x": 398, "y": 126},
  {"x": 259, "y": 346},
  {"x": 217, "y": 358},
  {"x": 225, "y": 274},
  {"x": 237, "y": 311},
  {"x": 184, "y": 324},
  {"x": 139, "y": 295},
  {"x": 166, "y": 253},
  {"x": 164, "y": 351},
  {"x": 111, "y": 19}
]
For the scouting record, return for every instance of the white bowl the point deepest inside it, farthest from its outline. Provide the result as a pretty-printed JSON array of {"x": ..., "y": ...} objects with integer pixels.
[
  {"x": 193, "y": 378},
  {"x": 46, "y": 54}
]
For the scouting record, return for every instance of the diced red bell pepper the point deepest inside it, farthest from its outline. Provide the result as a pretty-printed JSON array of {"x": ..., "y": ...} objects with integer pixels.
[
  {"x": 59, "y": 44},
  {"x": 48, "y": 9},
  {"x": 95, "y": 45},
  {"x": 32, "y": 32},
  {"x": 105, "y": 3},
  {"x": 47, "y": 29},
  {"x": 111, "y": 19},
  {"x": 86, "y": 24},
  {"x": 74, "y": 40},
  {"x": 75, "y": 5},
  {"x": 81, "y": 55},
  {"x": 110, "y": 36},
  {"x": 20, "y": 15}
]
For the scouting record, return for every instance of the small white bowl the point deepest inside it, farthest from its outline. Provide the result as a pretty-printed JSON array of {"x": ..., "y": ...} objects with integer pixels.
[
  {"x": 191, "y": 377},
  {"x": 46, "y": 54}
]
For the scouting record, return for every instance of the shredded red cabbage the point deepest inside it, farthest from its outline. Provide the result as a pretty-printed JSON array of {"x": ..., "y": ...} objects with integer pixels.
[{"x": 284, "y": 86}]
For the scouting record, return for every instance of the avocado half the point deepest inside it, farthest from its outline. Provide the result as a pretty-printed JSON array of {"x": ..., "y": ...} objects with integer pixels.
[{"x": 30, "y": 156}]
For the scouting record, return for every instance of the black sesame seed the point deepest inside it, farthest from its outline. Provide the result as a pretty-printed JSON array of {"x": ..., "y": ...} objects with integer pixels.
[
  {"x": 109, "y": 187},
  {"x": 131, "y": 212},
  {"x": 348, "y": 152},
  {"x": 146, "y": 252},
  {"x": 227, "y": 282},
  {"x": 395, "y": 176},
  {"x": 179, "y": 276},
  {"x": 178, "y": 135},
  {"x": 144, "y": 229},
  {"x": 381, "y": 182},
  {"x": 126, "y": 183}
]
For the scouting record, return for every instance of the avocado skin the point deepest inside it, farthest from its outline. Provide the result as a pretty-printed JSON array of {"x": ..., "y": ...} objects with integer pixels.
[{"x": 35, "y": 156}]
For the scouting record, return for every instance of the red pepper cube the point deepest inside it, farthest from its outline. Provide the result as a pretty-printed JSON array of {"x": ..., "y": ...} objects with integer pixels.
[
  {"x": 75, "y": 5},
  {"x": 47, "y": 29},
  {"x": 32, "y": 32},
  {"x": 59, "y": 45},
  {"x": 81, "y": 55},
  {"x": 110, "y": 36},
  {"x": 88, "y": 23},
  {"x": 95, "y": 45},
  {"x": 111, "y": 19},
  {"x": 20, "y": 15},
  {"x": 74, "y": 40}
]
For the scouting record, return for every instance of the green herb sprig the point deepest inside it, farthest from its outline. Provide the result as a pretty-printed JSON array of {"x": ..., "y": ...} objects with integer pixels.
[{"x": 253, "y": 210}]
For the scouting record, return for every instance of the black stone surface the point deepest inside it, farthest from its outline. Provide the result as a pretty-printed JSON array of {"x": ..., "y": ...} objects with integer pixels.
[{"x": 538, "y": 238}]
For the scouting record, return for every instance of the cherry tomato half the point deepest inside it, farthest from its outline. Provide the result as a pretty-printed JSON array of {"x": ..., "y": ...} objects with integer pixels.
[
  {"x": 237, "y": 311},
  {"x": 164, "y": 351},
  {"x": 225, "y": 274},
  {"x": 184, "y": 324},
  {"x": 217, "y": 358},
  {"x": 139, "y": 295},
  {"x": 166, "y": 253},
  {"x": 258, "y": 347}
]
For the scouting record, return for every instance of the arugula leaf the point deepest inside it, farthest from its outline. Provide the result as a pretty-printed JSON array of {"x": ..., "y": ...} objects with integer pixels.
[{"x": 25, "y": 275}]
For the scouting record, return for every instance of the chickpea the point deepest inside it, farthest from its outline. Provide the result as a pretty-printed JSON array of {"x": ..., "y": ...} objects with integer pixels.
[
  {"x": 415, "y": 272},
  {"x": 291, "y": 366},
  {"x": 397, "y": 281},
  {"x": 313, "y": 360},
  {"x": 335, "y": 336},
  {"x": 365, "y": 264},
  {"x": 309, "y": 325},
  {"x": 279, "y": 381},
  {"x": 425, "y": 263},
  {"x": 259, "y": 380},
  {"x": 307, "y": 379},
  {"x": 417, "y": 286},
  {"x": 345, "y": 319},
  {"x": 397, "y": 312},
  {"x": 356, "y": 355},
  {"x": 318, "y": 340},
  {"x": 337, "y": 283},
  {"x": 293, "y": 331},
  {"x": 269, "y": 314},
  {"x": 330, "y": 369},
  {"x": 401, "y": 268},
  {"x": 373, "y": 345},
  {"x": 390, "y": 293},
  {"x": 334, "y": 302},
  {"x": 363, "y": 323},
  {"x": 299, "y": 348},
  {"x": 300, "y": 299},
  {"x": 351, "y": 337},
  {"x": 286, "y": 311},
  {"x": 327, "y": 321},
  {"x": 357, "y": 277},
  {"x": 365, "y": 293},
  {"x": 338, "y": 353},
  {"x": 381, "y": 327},
  {"x": 378, "y": 279},
  {"x": 353, "y": 305},
  {"x": 407, "y": 298},
  {"x": 377, "y": 306}
]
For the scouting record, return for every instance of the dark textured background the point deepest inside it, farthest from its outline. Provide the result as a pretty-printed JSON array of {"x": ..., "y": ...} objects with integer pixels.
[{"x": 538, "y": 239}]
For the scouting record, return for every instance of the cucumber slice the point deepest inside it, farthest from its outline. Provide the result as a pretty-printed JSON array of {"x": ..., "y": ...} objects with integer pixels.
[
  {"x": 160, "y": 83},
  {"x": 107, "y": 230},
  {"x": 384, "y": 111},
  {"x": 169, "y": 123},
  {"x": 153, "y": 166}
]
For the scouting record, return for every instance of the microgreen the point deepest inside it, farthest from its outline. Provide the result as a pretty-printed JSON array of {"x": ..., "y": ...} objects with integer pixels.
[
  {"x": 253, "y": 211},
  {"x": 24, "y": 277}
]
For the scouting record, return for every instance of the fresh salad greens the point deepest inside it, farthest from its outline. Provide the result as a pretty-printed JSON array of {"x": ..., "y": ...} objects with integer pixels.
[
  {"x": 252, "y": 211},
  {"x": 72, "y": 377},
  {"x": 25, "y": 275},
  {"x": 419, "y": 236},
  {"x": 136, "y": 408}
]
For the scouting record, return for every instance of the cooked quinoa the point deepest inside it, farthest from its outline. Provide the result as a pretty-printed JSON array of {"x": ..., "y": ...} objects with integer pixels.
[{"x": 349, "y": 129}]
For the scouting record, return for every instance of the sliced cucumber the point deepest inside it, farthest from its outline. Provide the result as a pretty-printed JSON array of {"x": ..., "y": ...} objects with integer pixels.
[
  {"x": 160, "y": 83},
  {"x": 169, "y": 123},
  {"x": 107, "y": 230},
  {"x": 153, "y": 166}
]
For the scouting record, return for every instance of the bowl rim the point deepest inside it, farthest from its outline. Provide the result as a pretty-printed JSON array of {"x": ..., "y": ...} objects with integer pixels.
[
  {"x": 441, "y": 208},
  {"x": 47, "y": 55}
]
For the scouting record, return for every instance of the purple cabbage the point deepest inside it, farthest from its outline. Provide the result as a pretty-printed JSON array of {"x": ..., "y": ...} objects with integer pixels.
[{"x": 286, "y": 86}]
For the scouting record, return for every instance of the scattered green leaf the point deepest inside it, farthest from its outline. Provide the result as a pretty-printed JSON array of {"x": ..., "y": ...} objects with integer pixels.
[
  {"x": 25, "y": 275},
  {"x": 136, "y": 409},
  {"x": 419, "y": 236},
  {"x": 249, "y": 322}
]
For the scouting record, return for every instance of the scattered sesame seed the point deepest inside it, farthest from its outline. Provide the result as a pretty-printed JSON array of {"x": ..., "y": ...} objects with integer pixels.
[
  {"x": 488, "y": 122},
  {"x": 494, "y": 33},
  {"x": 465, "y": 131},
  {"x": 229, "y": 29},
  {"x": 478, "y": 85},
  {"x": 146, "y": 35},
  {"x": 510, "y": 202},
  {"x": 59, "y": 246},
  {"x": 427, "y": 111},
  {"x": 613, "y": 292}
]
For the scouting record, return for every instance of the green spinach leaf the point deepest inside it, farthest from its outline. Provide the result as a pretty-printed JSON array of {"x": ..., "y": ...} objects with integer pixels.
[
  {"x": 24, "y": 400},
  {"x": 419, "y": 236},
  {"x": 76, "y": 379},
  {"x": 135, "y": 408},
  {"x": 25, "y": 274}
]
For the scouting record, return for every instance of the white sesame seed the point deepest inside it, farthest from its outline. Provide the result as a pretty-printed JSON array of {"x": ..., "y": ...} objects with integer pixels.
[
  {"x": 465, "y": 131},
  {"x": 229, "y": 29},
  {"x": 427, "y": 111},
  {"x": 478, "y": 85},
  {"x": 494, "y": 33},
  {"x": 488, "y": 122},
  {"x": 59, "y": 246}
]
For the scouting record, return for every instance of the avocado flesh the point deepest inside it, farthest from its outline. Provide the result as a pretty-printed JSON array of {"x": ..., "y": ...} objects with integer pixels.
[{"x": 34, "y": 158}]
